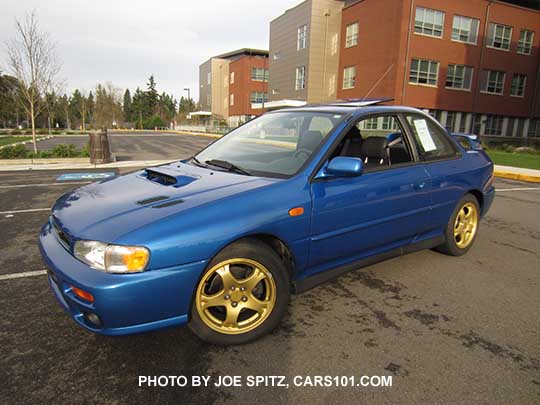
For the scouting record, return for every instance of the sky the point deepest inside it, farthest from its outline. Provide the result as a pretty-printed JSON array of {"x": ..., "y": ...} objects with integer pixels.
[{"x": 125, "y": 41}]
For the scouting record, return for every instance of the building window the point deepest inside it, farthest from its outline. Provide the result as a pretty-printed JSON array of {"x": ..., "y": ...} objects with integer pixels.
[
  {"x": 429, "y": 22},
  {"x": 450, "y": 120},
  {"x": 275, "y": 91},
  {"x": 389, "y": 123},
  {"x": 499, "y": 36},
  {"x": 231, "y": 99},
  {"x": 424, "y": 72},
  {"x": 276, "y": 56},
  {"x": 302, "y": 37},
  {"x": 300, "y": 78},
  {"x": 259, "y": 74},
  {"x": 258, "y": 97},
  {"x": 525, "y": 42},
  {"x": 465, "y": 29},
  {"x": 351, "y": 35},
  {"x": 518, "y": 85},
  {"x": 209, "y": 78},
  {"x": 493, "y": 125},
  {"x": 493, "y": 82},
  {"x": 459, "y": 77},
  {"x": 349, "y": 77},
  {"x": 232, "y": 77}
]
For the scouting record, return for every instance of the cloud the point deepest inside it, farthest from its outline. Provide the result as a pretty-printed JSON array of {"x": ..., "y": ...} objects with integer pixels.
[{"x": 125, "y": 41}]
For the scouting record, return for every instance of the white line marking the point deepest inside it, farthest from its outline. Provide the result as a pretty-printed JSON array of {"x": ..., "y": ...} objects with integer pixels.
[
  {"x": 45, "y": 184},
  {"x": 517, "y": 189},
  {"x": 23, "y": 275},
  {"x": 22, "y": 211}
]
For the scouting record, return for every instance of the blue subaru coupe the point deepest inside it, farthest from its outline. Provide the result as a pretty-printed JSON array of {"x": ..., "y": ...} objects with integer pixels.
[{"x": 283, "y": 203}]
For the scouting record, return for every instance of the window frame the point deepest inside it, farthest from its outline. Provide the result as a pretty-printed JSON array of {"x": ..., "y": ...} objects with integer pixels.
[
  {"x": 428, "y": 72},
  {"x": 232, "y": 78},
  {"x": 231, "y": 99},
  {"x": 301, "y": 37},
  {"x": 424, "y": 22},
  {"x": 485, "y": 89},
  {"x": 352, "y": 37},
  {"x": 256, "y": 76},
  {"x": 465, "y": 67},
  {"x": 516, "y": 75},
  {"x": 491, "y": 36},
  {"x": 519, "y": 44},
  {"x": 352, "y": 79},
  {"x": 297, "y": 76},
  {"x": 263, "y": 99},
  {"x": 461, "y": 18}
]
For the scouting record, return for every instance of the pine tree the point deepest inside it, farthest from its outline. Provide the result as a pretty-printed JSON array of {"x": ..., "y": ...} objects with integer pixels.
[{"x": 127, "y": 106}]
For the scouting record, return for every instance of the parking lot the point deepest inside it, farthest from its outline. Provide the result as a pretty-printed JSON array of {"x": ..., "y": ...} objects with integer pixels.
[
  {"x": 449, "y": 330},
  {"x": 137, "y": 146}
]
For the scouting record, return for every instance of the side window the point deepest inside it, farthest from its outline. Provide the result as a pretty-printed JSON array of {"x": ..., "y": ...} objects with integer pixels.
[
  {"x": 378, "y": 140},
  {"x": 432, "y": 142}
]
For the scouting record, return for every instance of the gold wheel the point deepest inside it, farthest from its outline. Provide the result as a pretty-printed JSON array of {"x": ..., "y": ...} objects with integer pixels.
[
  {"x": 236, "y": 296},
  {"x": 465, "y": 225}
]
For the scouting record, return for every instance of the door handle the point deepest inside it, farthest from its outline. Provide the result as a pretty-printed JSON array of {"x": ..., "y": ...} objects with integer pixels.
[{"x": 420, "y": 186}]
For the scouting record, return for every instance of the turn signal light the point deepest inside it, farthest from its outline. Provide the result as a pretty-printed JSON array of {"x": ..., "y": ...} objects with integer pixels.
[
  {"x": 82, "y": 294},
  {"x": 296, "y": 211}
]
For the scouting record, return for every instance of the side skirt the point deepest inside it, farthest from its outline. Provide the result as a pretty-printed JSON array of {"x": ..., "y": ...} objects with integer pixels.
[{"x": 307, "y": 283}]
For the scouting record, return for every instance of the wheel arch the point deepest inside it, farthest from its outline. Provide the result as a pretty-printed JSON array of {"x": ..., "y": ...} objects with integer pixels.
[{"x": 479, "y": 197}]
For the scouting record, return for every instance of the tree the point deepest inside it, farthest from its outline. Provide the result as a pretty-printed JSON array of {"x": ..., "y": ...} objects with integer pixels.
[
  {"x": 127, "y": 106},
  {"x": 151, "y": 96},
  {"x": 32, "y": 59},
  {"x": 107, "y": 107},
  {"x": 9, "y": 106}
]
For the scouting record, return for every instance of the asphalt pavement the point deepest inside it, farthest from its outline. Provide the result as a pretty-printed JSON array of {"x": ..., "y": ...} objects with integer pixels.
[
  {"x": 448, "y": 330},
  {"x": 137, "y": 146}
]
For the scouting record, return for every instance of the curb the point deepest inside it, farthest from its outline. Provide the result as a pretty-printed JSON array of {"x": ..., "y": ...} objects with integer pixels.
[{"x": 517, "y": 176}]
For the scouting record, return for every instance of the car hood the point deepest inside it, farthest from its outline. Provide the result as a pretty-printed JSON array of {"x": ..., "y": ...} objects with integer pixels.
[{"x": 109, "y": 209}]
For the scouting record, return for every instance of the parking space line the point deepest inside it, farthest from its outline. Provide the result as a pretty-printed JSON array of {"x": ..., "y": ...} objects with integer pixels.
[
  {"x": 518, "y": 189},
  {"x": 44, "y": 184},
  {"x": 23, "y": 275},
  {"x": 23, "y": 211}
]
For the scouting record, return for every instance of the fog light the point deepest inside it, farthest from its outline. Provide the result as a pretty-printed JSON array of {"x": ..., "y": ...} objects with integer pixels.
[
  {"x": 85, "y": 295},
  {"x": 93, "y": 319}
]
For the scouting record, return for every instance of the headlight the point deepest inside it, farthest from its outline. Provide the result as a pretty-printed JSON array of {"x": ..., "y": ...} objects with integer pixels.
[{"x": 112, "y": 258}]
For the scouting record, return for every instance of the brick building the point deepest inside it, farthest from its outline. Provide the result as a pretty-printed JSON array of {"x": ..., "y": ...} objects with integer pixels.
[
  {"x": 234, "y": 85},
  {"x": 474, "y": 64}
]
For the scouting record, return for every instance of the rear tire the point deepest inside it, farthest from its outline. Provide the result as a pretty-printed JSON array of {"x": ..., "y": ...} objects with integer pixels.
[
  {"x": 462, "y": 227},
  {"x": 241, "y": 296}
]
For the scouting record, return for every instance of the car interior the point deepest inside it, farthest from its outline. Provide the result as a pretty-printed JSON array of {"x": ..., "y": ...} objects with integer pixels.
[{"x": 378, "y": 148}]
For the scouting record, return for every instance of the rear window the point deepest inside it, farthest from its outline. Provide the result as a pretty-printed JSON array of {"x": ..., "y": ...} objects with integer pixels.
[{"x": 431, "y": 140}]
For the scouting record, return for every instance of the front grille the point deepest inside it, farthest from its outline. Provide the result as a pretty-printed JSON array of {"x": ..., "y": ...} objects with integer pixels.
[{"x": 63, "y": 237}]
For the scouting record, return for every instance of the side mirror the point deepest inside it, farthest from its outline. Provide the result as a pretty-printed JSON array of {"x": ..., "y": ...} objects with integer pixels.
[{"x": 342, "y": 166}]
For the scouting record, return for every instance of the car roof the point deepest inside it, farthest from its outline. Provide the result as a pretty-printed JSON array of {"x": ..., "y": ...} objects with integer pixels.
[{"x": 357, "y": 111}]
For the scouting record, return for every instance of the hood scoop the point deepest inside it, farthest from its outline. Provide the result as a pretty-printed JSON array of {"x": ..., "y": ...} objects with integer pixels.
[
  {"x": 168, "y": 177},
  {"x": 152, "y": 200}
]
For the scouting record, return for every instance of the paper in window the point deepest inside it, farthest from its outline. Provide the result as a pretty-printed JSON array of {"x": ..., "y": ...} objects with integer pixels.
[{"x": 423, "y": 134}]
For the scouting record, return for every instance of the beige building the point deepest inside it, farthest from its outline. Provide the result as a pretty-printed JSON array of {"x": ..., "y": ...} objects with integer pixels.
[
  {"x": 304, "y": 52},
  {"x": 214, "y": 86}
]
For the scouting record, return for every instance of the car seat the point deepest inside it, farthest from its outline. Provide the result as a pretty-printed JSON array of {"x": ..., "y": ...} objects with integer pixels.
[{"x": 375, "y": 151}]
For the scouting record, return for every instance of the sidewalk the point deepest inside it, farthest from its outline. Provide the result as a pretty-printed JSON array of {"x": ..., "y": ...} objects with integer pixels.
[
  {"x": 517, "y": 173},
  {"x": 77, "y": 166}
]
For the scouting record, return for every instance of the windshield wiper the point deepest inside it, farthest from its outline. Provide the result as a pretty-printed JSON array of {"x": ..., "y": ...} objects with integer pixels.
[
  {"x": 228, "y": 166},
  {"x": 197, "y": 162}
]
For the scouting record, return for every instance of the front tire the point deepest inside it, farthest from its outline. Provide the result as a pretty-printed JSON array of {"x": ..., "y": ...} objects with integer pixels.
[
  {"x": 242, "y": 295},
  {"x": 462, "y": 227}
]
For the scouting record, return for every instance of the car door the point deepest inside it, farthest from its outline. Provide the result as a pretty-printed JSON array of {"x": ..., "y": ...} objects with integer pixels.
[
  {"x": 384, "y": 208},
  {"x": 441, "y": 158}
]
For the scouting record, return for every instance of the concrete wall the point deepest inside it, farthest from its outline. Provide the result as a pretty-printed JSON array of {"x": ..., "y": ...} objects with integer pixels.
[
  {"x": 205, "y": 88},
  {"x": 220, "y": 87}
]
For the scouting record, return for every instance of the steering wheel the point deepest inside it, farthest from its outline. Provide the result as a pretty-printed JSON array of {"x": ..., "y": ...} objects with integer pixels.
[{"x": 299, "y": 152}]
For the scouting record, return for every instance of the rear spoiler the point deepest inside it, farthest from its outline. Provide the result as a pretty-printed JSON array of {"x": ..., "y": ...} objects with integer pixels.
[{"x": 467, "y": 141}]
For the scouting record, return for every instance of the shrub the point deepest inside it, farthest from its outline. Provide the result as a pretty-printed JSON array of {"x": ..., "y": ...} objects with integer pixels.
[
  {"x": 153, "y": 122},
  {"x": 14, "y": 152},
  {"x": 85, "y": 152},
  {"x": 64, "y": 151},
  {"x": 16, "y": 132}
]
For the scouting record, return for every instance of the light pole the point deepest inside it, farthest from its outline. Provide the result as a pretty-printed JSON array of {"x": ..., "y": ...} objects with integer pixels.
[{"x": 188, "y": 100}]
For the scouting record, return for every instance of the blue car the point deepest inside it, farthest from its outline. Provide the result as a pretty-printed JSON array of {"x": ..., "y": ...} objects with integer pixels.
[{"x": 281, "y": 204}]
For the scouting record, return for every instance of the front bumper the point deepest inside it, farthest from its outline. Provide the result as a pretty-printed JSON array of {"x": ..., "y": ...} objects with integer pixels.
[{"x": 125, "y": 303}]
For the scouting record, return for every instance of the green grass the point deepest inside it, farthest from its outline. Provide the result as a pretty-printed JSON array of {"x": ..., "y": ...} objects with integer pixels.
[
  {"x": 524, "y": 160},
  {"x": 7, "y": 140}
]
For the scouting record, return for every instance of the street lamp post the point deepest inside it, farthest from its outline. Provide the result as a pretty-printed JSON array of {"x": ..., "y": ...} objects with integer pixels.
[{"x": 188, "y": 101}]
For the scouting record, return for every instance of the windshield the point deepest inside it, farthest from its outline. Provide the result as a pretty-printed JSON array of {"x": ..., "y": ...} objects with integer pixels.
[{"x": 276, "y": 144}]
